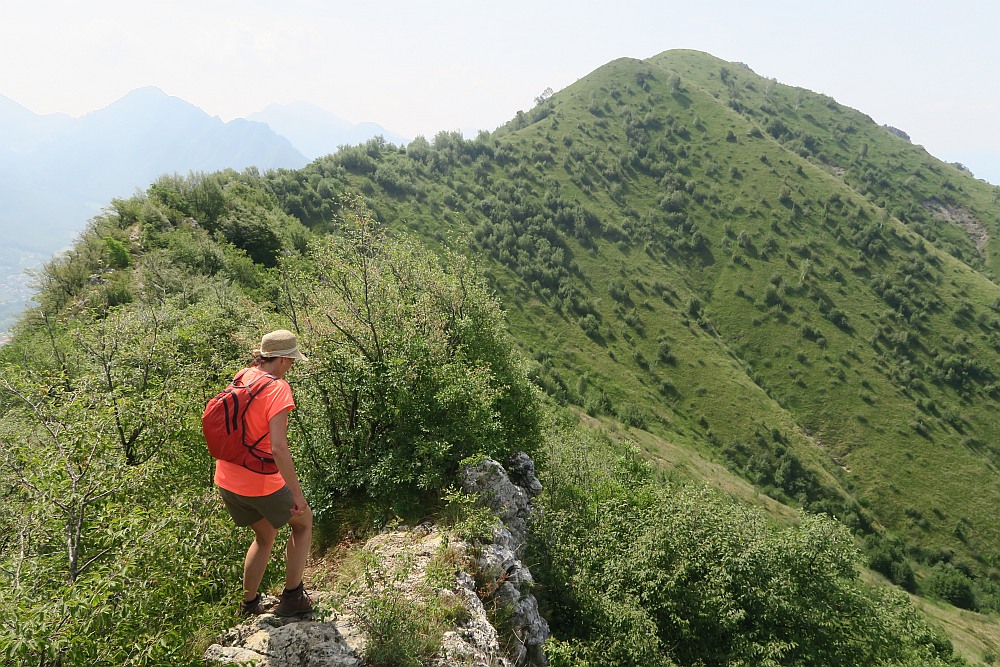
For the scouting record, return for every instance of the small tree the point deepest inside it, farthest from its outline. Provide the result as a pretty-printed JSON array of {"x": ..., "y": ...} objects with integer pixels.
[
  {"x": 411, "y": 369},
  {"x": 543, "y": 98},
  {"x": 60, "y": 462}
]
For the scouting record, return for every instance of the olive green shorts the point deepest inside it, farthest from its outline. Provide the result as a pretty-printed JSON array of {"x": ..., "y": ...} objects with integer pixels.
[{"x": 247, "y": 510}]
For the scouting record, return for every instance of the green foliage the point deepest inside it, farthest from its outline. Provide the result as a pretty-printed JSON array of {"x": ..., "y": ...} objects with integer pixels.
[
  {"x": 638, "y": 574},
  {"x": 410, "y": 369},
  {"x": 86, "y": 572},
  {"x": 591, "y": 327},
  {"x": 193, "y": 249},
  {"x": 253, "y": 231},
  {"x": 947, "y": 582},
  {"x": 887, "y": 557},
  {"x": 632, "y": 227},
  {"x": 776, "y": 469},
  {"x": 119, "y": 257},
  {"x": 400, "y": 630},
  {"x": 133, "y": 608},
  {"x": 467, "y": 518}
]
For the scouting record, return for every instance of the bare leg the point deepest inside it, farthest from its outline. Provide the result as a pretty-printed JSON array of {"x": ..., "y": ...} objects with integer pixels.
[
  {"x": 297, "y": 548},
  {"x": 257, "y": 558}
]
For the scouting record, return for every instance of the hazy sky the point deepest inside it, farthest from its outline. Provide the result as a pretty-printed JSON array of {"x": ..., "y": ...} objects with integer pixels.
[{"x": 928, "y": 68}]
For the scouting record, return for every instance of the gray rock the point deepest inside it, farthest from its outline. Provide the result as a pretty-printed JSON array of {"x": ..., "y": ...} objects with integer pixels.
[
  {"x": 521, "y": 470},
  {"x": 488, "y": 479},
  {"x": 269, "y": 641},
  {"x": 476, "y": 643},
  {"x": 508, "y": 581}
]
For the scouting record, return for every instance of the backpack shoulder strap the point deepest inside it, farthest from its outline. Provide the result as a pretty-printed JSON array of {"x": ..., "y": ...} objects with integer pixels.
[
  {"x": 238, "y": 377},
  {"x": 258, "y": 385},
  {"x": 270, "y": 379}
]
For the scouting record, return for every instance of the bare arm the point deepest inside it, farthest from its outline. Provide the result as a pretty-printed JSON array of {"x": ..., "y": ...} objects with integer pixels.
[{"x": 278, "y": 427}]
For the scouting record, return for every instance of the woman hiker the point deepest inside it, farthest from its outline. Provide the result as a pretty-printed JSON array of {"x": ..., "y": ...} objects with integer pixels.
[{"x": 266, "y": 502}]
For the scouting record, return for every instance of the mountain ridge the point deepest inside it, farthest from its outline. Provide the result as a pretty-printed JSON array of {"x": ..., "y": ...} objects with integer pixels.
[
  {"x": 662, "y": 180},
  {"x": 111, "y": 152},
  {"x": 745, "y": 280},
  {"x": 316, "y": 131}
]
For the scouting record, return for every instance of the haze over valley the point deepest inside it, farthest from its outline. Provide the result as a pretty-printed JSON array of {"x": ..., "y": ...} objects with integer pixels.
[{"x": 56, "y": 172}]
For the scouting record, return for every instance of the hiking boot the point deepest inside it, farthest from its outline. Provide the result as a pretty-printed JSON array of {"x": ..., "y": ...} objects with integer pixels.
[
  {"x": 294, "y": 602},
  {"x": 252, "y": 607}
]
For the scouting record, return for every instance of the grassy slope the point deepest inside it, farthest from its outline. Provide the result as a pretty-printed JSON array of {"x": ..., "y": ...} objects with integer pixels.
[
  {"x": 896, "y": 174},
  {"x": 932, "y": 474},
  {"x": 847, "y": 394},
  {"x": 849, "y": 401}
]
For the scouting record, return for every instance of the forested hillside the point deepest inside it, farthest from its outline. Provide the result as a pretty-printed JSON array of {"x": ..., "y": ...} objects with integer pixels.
[{"x": 744, "y": 284}]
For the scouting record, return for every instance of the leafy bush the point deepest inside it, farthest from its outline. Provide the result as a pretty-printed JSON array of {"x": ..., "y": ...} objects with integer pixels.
[
  {"x": 103, "y": 477},
  {"x": 887, "y": 556},
  {"x": 949, "y": 583},
  {"x": 410, "y": 371},
  {"x": 638, "y": 574},
  {"x": 118, "y": 254},
  {"x": 591, "y": 327},
  {"x": 466, "y": 517},
  {"x": 253, "y": 232}
]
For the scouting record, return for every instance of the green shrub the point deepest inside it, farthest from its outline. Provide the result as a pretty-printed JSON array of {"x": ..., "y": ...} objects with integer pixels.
[
  {"x": 596, "y": 402},
  {"x": 591, "y": 327},
  {"x": 465, "y": 516},
  {"x": 632, "y": 415},
  {"x": 888, "y": 557},
  {"x": 411, "y": 369},
  {"x": 951, "y": 584},
  {"x": 118, "y": 254},
  {"x": 636, "y": 574},
  {"x": 252, "y": 231}
]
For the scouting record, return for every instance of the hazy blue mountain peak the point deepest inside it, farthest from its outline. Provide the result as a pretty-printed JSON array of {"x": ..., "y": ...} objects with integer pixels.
[{"x": 314, "y": 131}]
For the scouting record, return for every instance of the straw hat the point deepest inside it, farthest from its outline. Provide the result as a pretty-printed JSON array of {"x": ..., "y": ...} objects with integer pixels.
[{"x": 280, "y": 343}]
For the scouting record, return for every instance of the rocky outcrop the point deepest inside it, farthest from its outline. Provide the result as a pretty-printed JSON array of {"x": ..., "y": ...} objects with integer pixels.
[
  {"x": 476, "y": 642},
  {"x": 507, "y": 581},
  {"x": 978, "y": 232},
  {"x": 334, "y": 636},
  {"x": 269, "y": 640}
]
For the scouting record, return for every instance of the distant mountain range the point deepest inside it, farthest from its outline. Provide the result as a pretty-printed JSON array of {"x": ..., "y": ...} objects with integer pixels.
[
  {"x": 316, "y": 132},
  {"x": 56, "y": 172}
]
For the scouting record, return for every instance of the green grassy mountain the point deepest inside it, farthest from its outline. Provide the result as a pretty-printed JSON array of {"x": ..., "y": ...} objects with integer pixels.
[
  {"x": 764, "y": 288},
  {"x": 744, "y": 268}
]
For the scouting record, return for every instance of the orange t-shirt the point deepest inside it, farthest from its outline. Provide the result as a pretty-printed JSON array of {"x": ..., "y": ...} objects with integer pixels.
[{"x": 276, "y": 397}]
